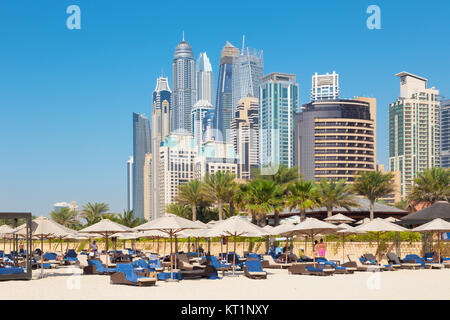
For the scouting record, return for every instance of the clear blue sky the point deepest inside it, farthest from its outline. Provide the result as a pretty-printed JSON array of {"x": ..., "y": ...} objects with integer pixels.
[{"x": 67, "y": 96}]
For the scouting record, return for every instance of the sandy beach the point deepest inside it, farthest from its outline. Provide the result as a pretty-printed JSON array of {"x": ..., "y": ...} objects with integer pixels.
[{"x": 69, "y": 283}]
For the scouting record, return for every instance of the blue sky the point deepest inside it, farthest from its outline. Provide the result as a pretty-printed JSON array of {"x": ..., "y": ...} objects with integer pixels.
[{"x": 67, "y": 96}]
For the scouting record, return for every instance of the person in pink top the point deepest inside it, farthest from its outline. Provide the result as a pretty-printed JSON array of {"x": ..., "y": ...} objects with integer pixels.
[{"x": 322, "y": 247}]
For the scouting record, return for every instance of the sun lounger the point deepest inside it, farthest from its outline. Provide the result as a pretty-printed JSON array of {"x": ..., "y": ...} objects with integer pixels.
[
  {"x": 338, "y": 269},
  {"x": 253, "y": 269},
  {"x": 310, "y": 269},
  {"x": 396, "y": 262},
  {"x": 362, "y": 267},
  {"x": 414, "y": 258},
  {"x": 372, "y": 260},
  {"x": 12, "y": 270},
  {"x": 155, "y": 264},
  {"x": 269, "y": 263},
  {"x": 212, "y": 260},
  {"x": 96, "y": 267},
  {"x": 125, "y": 274}
]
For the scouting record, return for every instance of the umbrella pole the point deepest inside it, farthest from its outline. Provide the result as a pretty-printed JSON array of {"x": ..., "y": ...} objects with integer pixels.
[
  {"x": 379, "y": 251},
  {"x": 314, "y": 254},
  {"x": 286, "y": 248},
  {"x": 343, "y": 240},
  {"x": 189, "y": 245},
  {"x": 42, "y": 255},
  {"x": 439, "y": 247},
  {"x": 221, "y": 247},
  {"x": 226, "y": 258},
  {"x": 106, "y": 247},
  {"x": 171, "y": 258},
  {"x": 234, "y": 255}
]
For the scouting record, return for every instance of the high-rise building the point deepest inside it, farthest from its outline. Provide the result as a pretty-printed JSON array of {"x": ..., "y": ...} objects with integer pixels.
[
  {"x": 205, "y": 78},
  {"x": 413, "y": 129},
  {"x": 325, "y": 86},
  {"x": 245, "y": 137},
  {"x": 161, "y": 127},
  {"x": 141, "y": 146},
  {"x": 198, "y": 113},
  {"x": 224, "y": 104},
  {"x": 445, "y": 134},
  {"x": 184, "y": 92},
  {"x": 208, "y": 126},
  {"x": 215, "y": 156},
  {"x": 334, "y": 139},
  {"x": 177, "y": 155},
  {"x": 248, "y": 70},
  {"x": 147, "y": 186},
  {"x": 396, "y": 195},
  {"x": 130, "y": 184},
  {"x": 277, "y": 105}
]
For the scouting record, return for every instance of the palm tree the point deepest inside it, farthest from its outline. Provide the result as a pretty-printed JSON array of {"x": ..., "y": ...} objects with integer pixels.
[
  {"x": 65, "y": 217},
  {"x": 284, "y": 177},
  {"x": 93, "y": 212},
  {"x": 334, "y": 194},
  {"x": 179, "y": 210},
  {"x": 373, "y": 185},
  {"x": 303, "y": 194},
  {"x": 219, "y": 188},
  {"x": 127, "y": 219},
  {"x": 191, "y": 194},
  {"x": 431, "y": 185},
  {"x": 262, "y": 196}
]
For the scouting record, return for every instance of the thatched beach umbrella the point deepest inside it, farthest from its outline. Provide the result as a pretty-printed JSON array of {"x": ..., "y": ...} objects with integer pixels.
[
  {"x": 437, "y": 225},
  {"x": 339, "y": 218},
  {"x": 379, "y": 226},
  {"x": 312, "y": 227},
  {"x": 171, "y": 225},
  {"x": 235, "y": 226},
  {"x": 346, "y": 231},
  {"x": 106, "y": 228}
]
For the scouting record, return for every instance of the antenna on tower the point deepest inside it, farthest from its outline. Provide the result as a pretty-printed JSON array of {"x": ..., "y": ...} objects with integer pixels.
[
  {"x": 243, "y": 43},
  {"x": 183, "y": 35}
]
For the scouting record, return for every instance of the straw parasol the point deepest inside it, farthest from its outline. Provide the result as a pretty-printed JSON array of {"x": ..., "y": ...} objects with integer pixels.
[
  {"x": 440, "y": 209},
  {"x": 378, "y": 226},
  {"x": 43, "y": 227},
  {"x": 437, "y": 225},
  {"x": 171, "y": 225},
  {"x": 391, "y": 219},
  {"x": 235, "y": 226},
  {"x": 312, "y": 227},
  {"x": 339, "y": 218},
  {"x": 362, "y": 221},
  {"x": 346, "y": 231},
  {"x": 106, "y": 228},
  {"x": 5, "y": 231}
]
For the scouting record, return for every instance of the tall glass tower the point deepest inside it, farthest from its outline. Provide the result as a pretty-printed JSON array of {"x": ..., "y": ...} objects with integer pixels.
[
  {"x": 224, "y": 104},
  {"x": 141, "y": 147},
  {"x": 277, "y": 106},
  {"x": 161, "y": 127},
  {"x": 248, "y": 70},
  {"x": 184, "y": 88},
  {"x": 445, "y": 133},
  {"x": 204, "y": 78}
]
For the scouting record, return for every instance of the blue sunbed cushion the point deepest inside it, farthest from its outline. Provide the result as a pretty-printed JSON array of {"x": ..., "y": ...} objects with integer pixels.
[
  {"x": 128, "y": 270},
  {"x": 12, "y": 270},
  {"x": 50, "y": 256},
  {"x": 253, "y": 266},
  {"x": 71, "y": 253},
  {"x": 167, "y": 275},
  {"x": 313, "y": 269}
]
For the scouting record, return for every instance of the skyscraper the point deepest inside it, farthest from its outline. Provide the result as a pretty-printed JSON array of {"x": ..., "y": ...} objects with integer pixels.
[
  {"x": 245, "y": 137},
  {"x": 277, "y": 106},
  {"x": 224, "y": 103},
  {"x": 161, "y": 127},
  {"x": 130, "y": 184},
  {"x": 199, "y": 111},
  {"x": 248, "y": 70},
  {"x": 208, "y": 126},
  {"x": 413, "y": 129},
  {"x": 325, "y": 86},
  {"x": 183, "y": 83},
  {"x": 334, "y": 139},
  {"x": 204, "y": 78},
  {"x": 141, "y": 147},
  {"x": 445, "y": 133}
]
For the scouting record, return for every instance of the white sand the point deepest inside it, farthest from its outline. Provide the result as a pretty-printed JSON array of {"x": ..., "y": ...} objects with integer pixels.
[{"x": 403, "y": 284}]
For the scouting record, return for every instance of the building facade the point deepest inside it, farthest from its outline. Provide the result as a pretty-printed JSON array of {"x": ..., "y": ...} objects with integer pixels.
[
  {"x": 245, "y": 136},
  {"x": 141, "y": 147},
  {"x": 413, "y": 129},
  {"x": 277, "y": 105},
  {"x": 130, "y": 184},
  {"x": 176, "y": 156},
  {"x": 205, "y": 78},
  {"x": 214, "y": 157},
  {"x": 445, "y": 134},
  {"x": 224, "y": 96},
  {"x": 325, "y": 86},
  {"x": 161, "y": 127},
  {"x": 199, "y": 111},
  {"x": 184, "y": 92},
  {"x": 248, "y": 70},
  {"x": 334, "y": 139}
]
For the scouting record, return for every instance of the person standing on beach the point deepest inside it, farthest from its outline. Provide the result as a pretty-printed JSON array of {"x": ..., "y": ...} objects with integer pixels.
[
  {"x": 322, "y": 247},
  {"x": 315, "y": 248}
]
